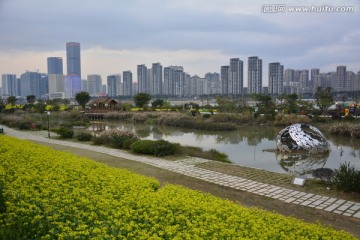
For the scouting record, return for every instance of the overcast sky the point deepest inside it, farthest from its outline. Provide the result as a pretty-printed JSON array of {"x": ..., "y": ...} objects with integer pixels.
[{"x": 200, "y": 35}]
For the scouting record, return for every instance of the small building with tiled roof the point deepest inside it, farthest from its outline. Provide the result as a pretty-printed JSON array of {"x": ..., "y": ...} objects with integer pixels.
[{"x": 104, "y": 103}]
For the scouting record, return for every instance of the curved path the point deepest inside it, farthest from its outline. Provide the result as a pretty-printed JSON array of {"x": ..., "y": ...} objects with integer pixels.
[{"x": 188, "y": 167}]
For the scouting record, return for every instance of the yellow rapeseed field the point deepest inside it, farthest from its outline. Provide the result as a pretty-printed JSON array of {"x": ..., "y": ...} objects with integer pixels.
[{"x": 48, "y": 194}]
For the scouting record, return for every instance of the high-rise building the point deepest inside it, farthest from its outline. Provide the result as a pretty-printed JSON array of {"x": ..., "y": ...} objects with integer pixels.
[
  {"x": 276, "y": 78},
  {"x": 174, "y": 81},
  {"x": 94, "y": 85},
  {"x": 72, "y": 85},
  {"x": 127, "y": 83},
  {"x": 56, "y": 83},
  {"x": 236, "y": 77},
  {"x": 114, "y": 85},
  {"x": 214, "y": 83},
  {"x": 156, "y": 79},
  {"x": 84, "y": 85},
  {"x": 254, "y": 75},
  {"x": 142, "y": 79},
  {"x": 43, "y": 85},
  {"x": 55, "y": 65},
  {"x": 224, "y": 75},
  {"x": 73, "y": 59},
  {"x": 313, "y": 72},
  {"x": 30, "y": 84},
  {"x": 9, "y": 85},
  {"x": 340, "y": 82},
  {"x": 304, "y": 82}
]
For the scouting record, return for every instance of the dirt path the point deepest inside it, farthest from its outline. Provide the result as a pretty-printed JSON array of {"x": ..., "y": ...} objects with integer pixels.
[{"x": 336, "y": 221}]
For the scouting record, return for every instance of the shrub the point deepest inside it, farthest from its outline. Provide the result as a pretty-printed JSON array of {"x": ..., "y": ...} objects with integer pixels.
[
  {"x": 127, "y": 143},
  {"x": 218, "y": 156},
  {"x": 25, "y": 125},
  {"x": 65, "y": 132},
  {"x": 165, "y": 148},
  {"x": 143, "y": 147},
  {"x": 347, "y": 178},
  {"x": 157, "y": 148},
  {"x": 84, "y": 136}
]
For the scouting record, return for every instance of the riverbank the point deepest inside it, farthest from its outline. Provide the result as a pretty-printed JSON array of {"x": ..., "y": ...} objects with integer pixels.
[{"x": 245, "y": 197}]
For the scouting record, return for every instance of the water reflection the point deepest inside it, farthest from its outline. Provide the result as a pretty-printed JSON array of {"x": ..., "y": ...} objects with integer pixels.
[
  {"x": 301, "y": 164},
  {"x": 246, "y": 146}
]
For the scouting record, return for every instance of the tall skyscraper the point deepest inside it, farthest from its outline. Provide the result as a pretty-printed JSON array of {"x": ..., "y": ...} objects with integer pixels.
[
  {"x": 156, "y": 79},
  {"x": 30, "y": 84},
  {"x": 114, "y": 85},
  {"x": 73, "y": 59},
  {"x": 254, "y": 75},
  {"x": 142, "y": 79},
  {"x": 224, "y": 76},
  {"x": 174, "y": 81},
  {"x": 55, "y": 65},
  {"x": 340, "y": 82},
  {"x": 236, "y": 77},
  {"x": 84, "y": 85},
  {"x": 214, "y": 82},
  {"x": 276, "y": 78},
  {"x": 94, "y": 84},
  {"x": 56, "y": 83},
  {"x": 127, "y": 83},
  {"x": 9, "y": 85}
]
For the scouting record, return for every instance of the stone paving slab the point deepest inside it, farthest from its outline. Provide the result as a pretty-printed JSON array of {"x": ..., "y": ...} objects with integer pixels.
[{"x": 188, "y": 167}]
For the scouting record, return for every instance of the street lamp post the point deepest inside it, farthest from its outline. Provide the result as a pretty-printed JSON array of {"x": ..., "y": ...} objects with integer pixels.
[{"x": 48, "y": 121}]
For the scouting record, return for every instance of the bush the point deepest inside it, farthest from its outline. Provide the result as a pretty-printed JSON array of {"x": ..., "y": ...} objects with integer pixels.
[
  {"x": 218, "y": 156},
  {"x": 165, "y": 148},
  {"x": 65, "y": 132},
  {"x": 347, "y": 178},
  {"x": 84, "y": 136},
  {"x": 25, "y": 126},
  {"x": 127, "y": 143},
  {"x": 288, "y": 119},
  {"x": 157, "y": 148},
  {"x": 143, "y": 147}
]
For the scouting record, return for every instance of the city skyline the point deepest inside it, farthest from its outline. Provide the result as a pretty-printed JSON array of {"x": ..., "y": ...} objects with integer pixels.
[{"x": 199, "y": 35}]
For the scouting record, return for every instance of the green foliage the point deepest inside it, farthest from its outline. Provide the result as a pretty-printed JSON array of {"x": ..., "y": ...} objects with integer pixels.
[
  {"x": 11, "y": 100},
  {"x": 265, "y": 103},
  {"x": 157, "y": 148},
  {"x": 82, "y": 98},
  {"x": 127, "y": 143},
  {"x": 229, "y": 105},
  {"x": 347, "y": 178},
  {"x": 84, "y": 136},
  {"x": 218, "y": 156},
  {"x": 115, "y": 138},
  {"x": 64, "y": 132},
  {"x": 30, "y": 99},
  {"x": 324, "y": 98},
  {"x": 55, "y": 195},
  {"x": 157, "y": 103},
  {"x": 142, "y": 99}
]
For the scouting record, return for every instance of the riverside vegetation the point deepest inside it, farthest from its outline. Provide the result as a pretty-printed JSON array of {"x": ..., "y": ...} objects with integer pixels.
[{"x": 48, "y": 194}]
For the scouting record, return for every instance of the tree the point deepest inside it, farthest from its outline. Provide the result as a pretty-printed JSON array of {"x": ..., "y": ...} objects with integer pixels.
[
  {"x": 82, "y": 98},
  {"x": 11, "y": 100},
  {"x": 324, "y": 98},
  {"x": 264, "y": 103},
  {"x": 2, "y": 105},
  {"x": 291, "y": 103},
  {"x": 141, "y": 99},
  {"x": 157, "y": 103},
  {"x": 30, "y": 99}
]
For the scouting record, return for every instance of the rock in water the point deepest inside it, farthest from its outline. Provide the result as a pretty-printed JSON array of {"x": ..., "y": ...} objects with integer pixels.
[{"x": 302, "y": 137}]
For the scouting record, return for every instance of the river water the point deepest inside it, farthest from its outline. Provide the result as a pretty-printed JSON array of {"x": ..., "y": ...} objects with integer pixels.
[{"x": 249, "y": 146}]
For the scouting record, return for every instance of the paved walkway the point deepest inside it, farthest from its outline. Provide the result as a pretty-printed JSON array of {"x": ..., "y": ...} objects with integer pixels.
[{"x": 188, "y": 167}]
